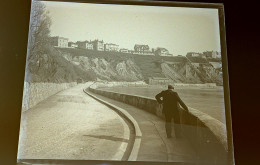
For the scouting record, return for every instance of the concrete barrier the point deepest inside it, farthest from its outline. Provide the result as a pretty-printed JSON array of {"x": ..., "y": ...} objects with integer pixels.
[
  {"x": 33, "y": 93},
  {"x": 207, "y": 135}
]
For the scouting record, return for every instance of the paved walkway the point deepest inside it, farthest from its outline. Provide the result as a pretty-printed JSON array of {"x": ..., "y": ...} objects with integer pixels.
[
  {"x": 155, "y": 146},
  {"x": 72, "y": 125}
]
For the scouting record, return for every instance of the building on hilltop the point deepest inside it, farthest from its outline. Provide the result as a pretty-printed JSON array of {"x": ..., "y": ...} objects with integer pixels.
[
  {"x": 159, "y": 81},
  {"x": 212, "y": 54},
  {"x": 59, "y": 42},
  {"x": 142, "y": 50},
  {"x": 85, "y": 45},
  {"x": 111, "y": 47},
  {"x": 123, "y": 50},
  {"x": 72, "y": 45},
  {"x": 193, "y": 54},
  {"x": 162, "y": 52},
  {"x": 98, "y": 45}
]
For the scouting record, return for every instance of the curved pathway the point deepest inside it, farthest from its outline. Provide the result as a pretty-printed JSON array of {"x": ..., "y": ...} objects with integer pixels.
[
  {"x": 71, "y": 125},
  {"x": 154, "y": 145}
]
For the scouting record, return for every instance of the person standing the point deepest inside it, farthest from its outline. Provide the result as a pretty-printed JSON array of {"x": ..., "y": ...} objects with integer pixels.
[{"x": 171, "y": 100}]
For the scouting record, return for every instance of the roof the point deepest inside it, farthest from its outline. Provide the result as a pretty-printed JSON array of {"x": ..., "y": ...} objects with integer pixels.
[
  {"x": 97, "y": 41},
  {"x": 84, "y": 42},
  {"x": 111, "y": 44},
  {"x": 146, "y": 46}
]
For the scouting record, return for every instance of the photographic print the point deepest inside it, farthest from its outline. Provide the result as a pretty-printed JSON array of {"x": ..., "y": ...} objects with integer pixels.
[{"x": 124, "y": 82}]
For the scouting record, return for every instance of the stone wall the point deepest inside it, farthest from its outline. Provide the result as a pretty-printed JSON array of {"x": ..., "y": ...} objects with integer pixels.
[
  {"x": 33, "y": 93},
  {"x": 207, "y": 135}
]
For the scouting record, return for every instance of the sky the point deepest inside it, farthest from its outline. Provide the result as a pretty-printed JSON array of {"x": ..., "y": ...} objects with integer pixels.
[{"x": 180, "y": 30}]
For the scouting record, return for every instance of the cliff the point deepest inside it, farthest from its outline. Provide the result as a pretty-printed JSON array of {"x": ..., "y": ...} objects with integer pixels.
[{"x": 68, "y": 65}]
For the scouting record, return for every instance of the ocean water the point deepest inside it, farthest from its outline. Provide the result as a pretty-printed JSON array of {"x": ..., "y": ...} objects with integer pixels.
[{"x": 207, "y": 100}]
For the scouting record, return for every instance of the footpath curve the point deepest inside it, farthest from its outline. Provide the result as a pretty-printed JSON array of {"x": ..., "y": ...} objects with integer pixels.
[
  {"x": 138, "y": 134},
  {"x": 206, "y": 135},
  {"x": 151, "y": 143},
  {"x": 71, "y": 125}
]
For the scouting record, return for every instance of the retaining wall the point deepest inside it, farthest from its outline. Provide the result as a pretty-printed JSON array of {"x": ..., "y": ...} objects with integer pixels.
[
  {"x": 33, "y": 93},
  {"x": 207, "y": 135}
]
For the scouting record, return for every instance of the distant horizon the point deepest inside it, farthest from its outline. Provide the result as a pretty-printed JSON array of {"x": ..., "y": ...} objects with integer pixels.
[{"x": 184, "y": 29}]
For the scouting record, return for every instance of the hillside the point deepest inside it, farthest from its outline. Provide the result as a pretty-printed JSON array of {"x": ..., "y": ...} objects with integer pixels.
[
  {"x": 53, "y": 67},
  {"x": 146, "y": 66},
  {"x": 67, "y": 64}
]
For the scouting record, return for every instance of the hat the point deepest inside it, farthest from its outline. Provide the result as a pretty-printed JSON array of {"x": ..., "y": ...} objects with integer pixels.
[{"x": 170, "y": 87}]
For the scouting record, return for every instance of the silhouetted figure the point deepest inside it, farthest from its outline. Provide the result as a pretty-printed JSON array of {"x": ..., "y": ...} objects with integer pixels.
[{"x": 171, "y": 100}]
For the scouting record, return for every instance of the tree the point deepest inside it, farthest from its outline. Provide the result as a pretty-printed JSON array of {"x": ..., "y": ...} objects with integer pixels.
[
  {"x": 39, "y": 37},
  {"x": 39, "y": 30}
]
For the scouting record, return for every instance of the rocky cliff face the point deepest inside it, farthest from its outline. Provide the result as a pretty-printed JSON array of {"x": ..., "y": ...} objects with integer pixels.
[
  {"x": 190, "y": 73},
  {"x": 67, "y": 66},
  {"x": 125, "y": 70}
]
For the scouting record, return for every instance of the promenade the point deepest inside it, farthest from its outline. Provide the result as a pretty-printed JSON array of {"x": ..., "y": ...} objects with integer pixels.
[
  {"x": 72, "y": 125},
  {"x": 154, "y": 146}
]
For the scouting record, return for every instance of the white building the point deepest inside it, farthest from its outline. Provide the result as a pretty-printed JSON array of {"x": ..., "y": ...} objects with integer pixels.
[
  {"x": 123, "y": 50},
  {"x": 98, "y": 45},
  {"x": 85, "y": 45},
  {"x": 111, "y": 47},
  {"x": 212, "y": 54},
  {"x": 59, "y": 41},
  {"x": 195, "y": 54},
  {"x": 72, "y": 45},
  {"x": 159, "y": 81},
  {"x": 162, "y": 52}
]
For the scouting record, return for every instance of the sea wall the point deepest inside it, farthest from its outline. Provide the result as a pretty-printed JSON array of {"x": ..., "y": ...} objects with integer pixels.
[
  {"x": 207, "y": 135},
  {"x": 101, "y": 84},
  {"x": 33, "y": 93}
]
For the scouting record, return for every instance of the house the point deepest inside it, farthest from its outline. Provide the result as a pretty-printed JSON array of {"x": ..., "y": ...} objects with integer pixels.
[
  {"x": 59, "y": 42},
  {"x": 212, "y": 54},
  {"x": 193, "y": 54},
  {"x": 72, "y": 45},
  {"x": 162, "y": 52},
  {"x": 111, "y": 47},
  {"x": 85, "y": 45},
  {"x": 159, "y": 81},
  {"x": 142, "y": 50},
  {"x": 123, "y": 50},
  {"x": 98, "y": 45}
]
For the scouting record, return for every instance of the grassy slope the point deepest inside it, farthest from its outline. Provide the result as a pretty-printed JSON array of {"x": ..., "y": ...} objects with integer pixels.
[{"x": 52, "y": 67}]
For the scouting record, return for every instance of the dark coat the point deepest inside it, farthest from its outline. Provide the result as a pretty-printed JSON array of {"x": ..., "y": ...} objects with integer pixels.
[{"x": 170, "y": 100}]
